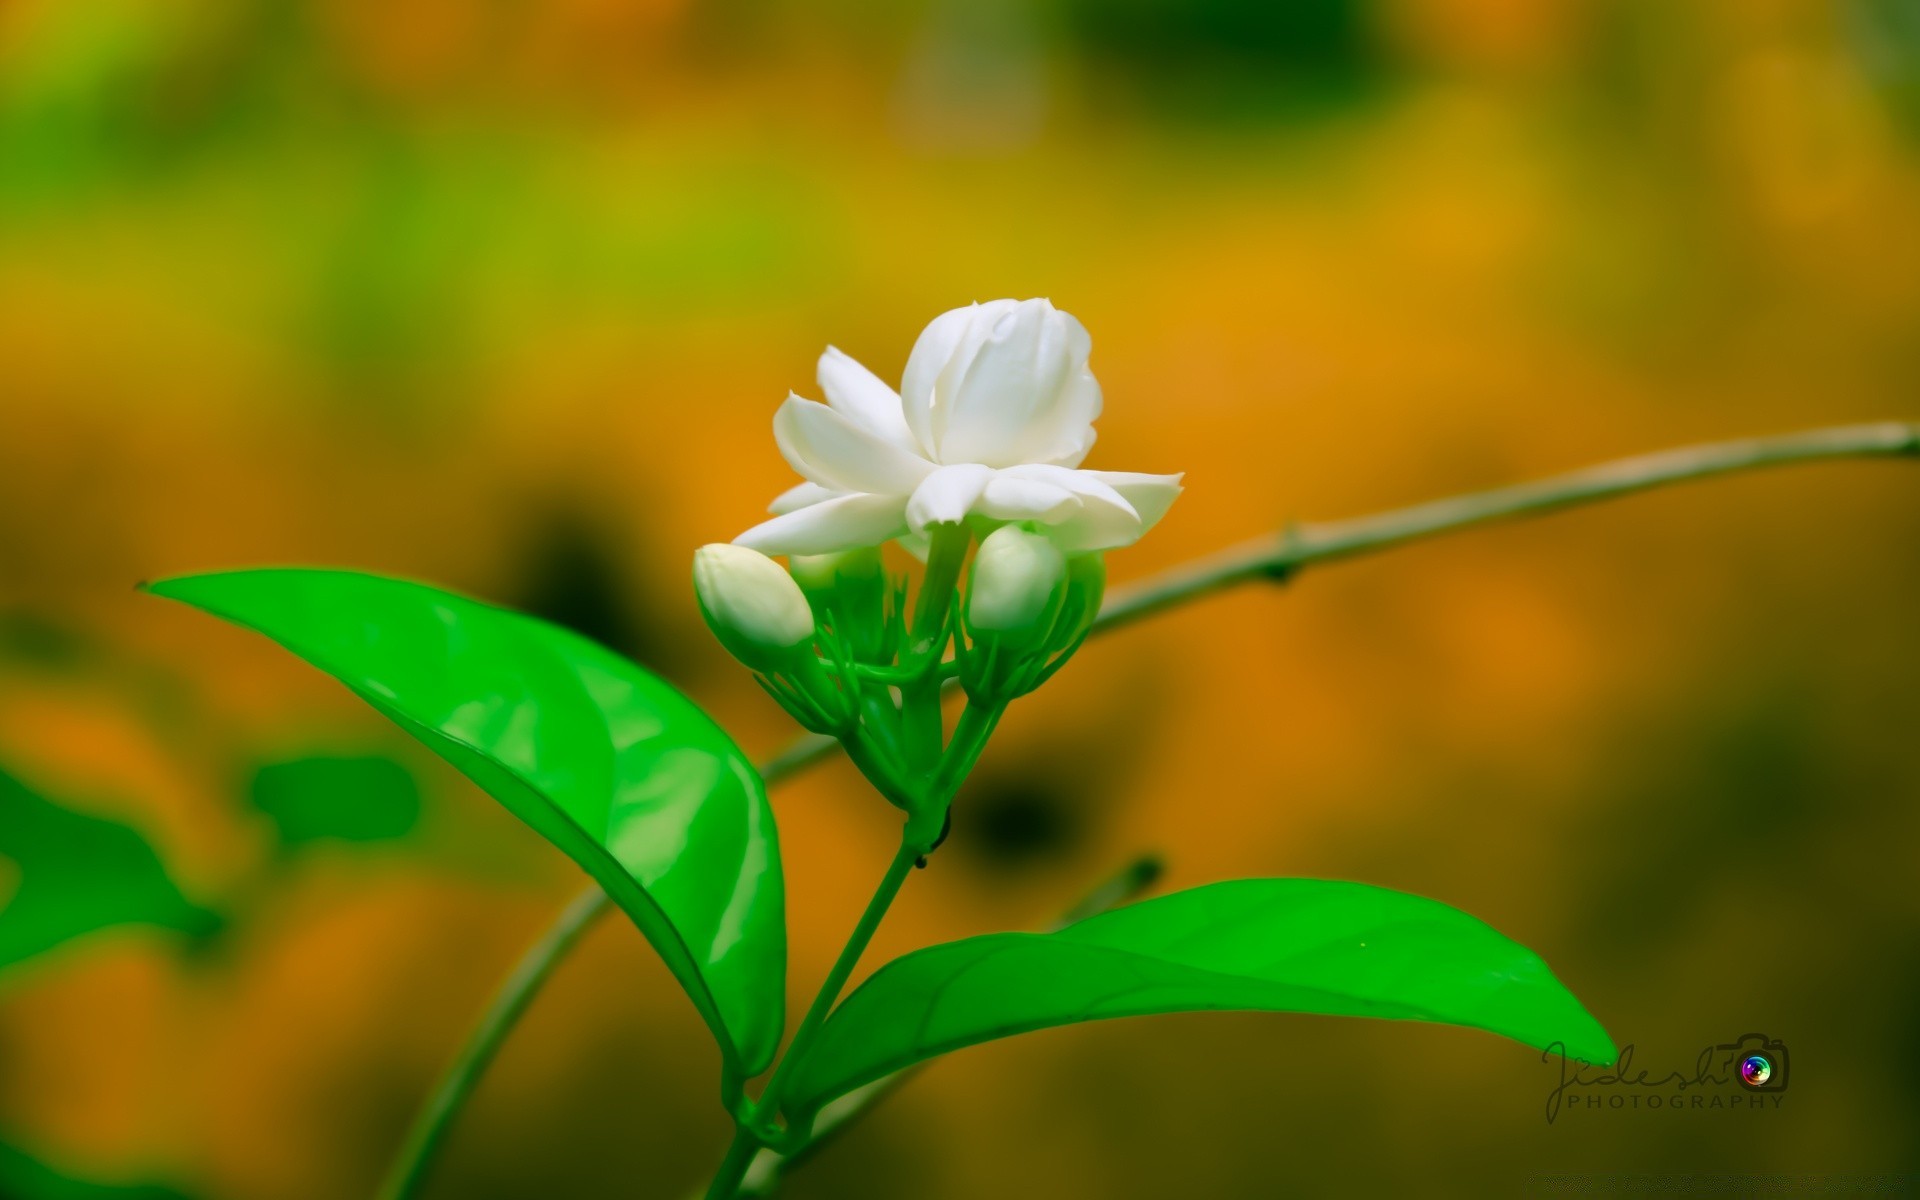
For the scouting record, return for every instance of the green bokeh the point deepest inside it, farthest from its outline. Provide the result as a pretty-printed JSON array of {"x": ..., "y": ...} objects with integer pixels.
[
  {"x": 327, "y": 798},
  {"x": 79, "y": 874}
]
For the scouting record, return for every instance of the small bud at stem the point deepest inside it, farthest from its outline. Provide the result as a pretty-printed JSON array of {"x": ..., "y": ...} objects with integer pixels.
[
  {"x": 1014, "y": 590},
  {"x": 752, "y": 605}
]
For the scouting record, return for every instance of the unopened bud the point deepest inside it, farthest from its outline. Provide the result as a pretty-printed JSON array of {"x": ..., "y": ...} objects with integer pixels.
[
  {"x": 752, "y": 605},
  {"x": 824, "y": 576},
  {"x": 1086, "y": 587},
  {"x": 848, "y": 592},
  {"x": 1013, "y": 594}
]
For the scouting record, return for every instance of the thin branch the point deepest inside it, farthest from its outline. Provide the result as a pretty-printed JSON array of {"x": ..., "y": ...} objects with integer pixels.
[
  {"x": 1281, "y": 555},
  {"x": 1276, "y": 557},
  {"x": 509, "y": 1005}
]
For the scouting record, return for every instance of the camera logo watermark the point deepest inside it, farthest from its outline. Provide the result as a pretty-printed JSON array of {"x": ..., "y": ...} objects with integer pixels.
[{"x": 1746, "y": 1074}]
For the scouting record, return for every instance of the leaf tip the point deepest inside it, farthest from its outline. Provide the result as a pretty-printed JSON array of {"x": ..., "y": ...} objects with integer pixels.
[
  {"x": 167, "y": 588},
  {"x": 1593, "y": 1046}
]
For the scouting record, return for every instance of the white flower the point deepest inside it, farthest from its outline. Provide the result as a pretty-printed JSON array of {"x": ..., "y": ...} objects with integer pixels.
[{"x": 994, "y": 415}]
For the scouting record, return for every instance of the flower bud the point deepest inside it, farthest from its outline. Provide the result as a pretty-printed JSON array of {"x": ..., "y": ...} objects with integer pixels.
[
  {"x": 825, "y": 576},
  {"x": 1016, "y": 586},
  {"x": 848, "y": 592},
  {"x": 1086, "y": 587},
  {"x": 752, "y": 605}
]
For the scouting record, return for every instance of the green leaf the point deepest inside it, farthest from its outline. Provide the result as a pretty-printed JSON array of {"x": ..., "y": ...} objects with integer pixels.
[
  {"x": 1273, "y": 945},
  {"x": 325, "y": 797},
  {"x": 23, "y": 1177},
  {"x": 77, "y": 873},
  {"x": 603, "y": 759}
]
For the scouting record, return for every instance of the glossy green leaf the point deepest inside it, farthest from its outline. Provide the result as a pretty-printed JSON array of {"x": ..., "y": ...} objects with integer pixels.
[
  {"x": 336, "y": 798},
  {"x": 74, "y": 873},
  {"x": 603, "y": 759},
  {"x": 1275, "y": 945}
]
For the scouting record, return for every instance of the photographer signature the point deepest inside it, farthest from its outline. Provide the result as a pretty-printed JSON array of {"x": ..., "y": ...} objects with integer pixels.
[{"x": 1573, "y": 1074}]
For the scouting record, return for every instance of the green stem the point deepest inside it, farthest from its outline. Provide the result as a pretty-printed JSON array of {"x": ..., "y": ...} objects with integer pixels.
[
  {"x": 970, "y": 736},
  {"x": 746, "y": 1141},
  {"x": 883, "y": 896},
  {"x": 1280, "y": 555},
  {"x": 801, "y": 753},
  {"x": 945, "y": 556},
  {"x": 1277, "y": 556},
  {"x": 1124, "y": 886},
  {"x": 880, "y": 767},
  {"x": 919, "y": 722},
  {"x": 509, "y": 1004},
  {"x": 733, "y": 1168}
]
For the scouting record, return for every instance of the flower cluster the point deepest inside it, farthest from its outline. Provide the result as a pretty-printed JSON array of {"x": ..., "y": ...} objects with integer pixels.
[
  {"x": 992, "y": 420},
  {"x": 983, "y": 440}
]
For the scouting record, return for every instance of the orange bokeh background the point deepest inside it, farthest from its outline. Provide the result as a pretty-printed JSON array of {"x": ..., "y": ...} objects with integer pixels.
[{"x": 503, "y": 297}]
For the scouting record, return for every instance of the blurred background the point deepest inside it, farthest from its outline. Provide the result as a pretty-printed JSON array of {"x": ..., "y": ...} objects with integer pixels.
[{"x": 502, "y": 295}]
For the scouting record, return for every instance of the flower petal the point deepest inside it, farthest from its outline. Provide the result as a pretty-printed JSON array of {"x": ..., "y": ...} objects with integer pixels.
[
  {"x": 1096, "y": 526},
  {"x": 1150, "y": 495},
  {"x": 946, "y": 344},
  {"x": 1010, "y": 498},
  {"x": 858, "y": 395},
  {"x": 1007, "y": 390},
  {"x": 800, "y": 495},
  {"x": 1085, "y": 484},
  {"x": 948, "y": 494},
  {"x": 850, "y": 522},
  {"x": 1066, "y": 435},
  {"x": 832, "y": 451}
]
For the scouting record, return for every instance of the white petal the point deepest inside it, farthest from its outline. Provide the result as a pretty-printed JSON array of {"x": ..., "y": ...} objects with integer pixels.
[
  {"x": 931, "y": 351},
  {"x": 842, "y": 523},
  {"x": 1066, "y": 435},
  {"x": 832, "y": 451},
  {"x": 1095, "y": 527},
  {"x": 945, "y": 344},
  {"x": 800, "y": 495},
  {"x": 1150, "y": 495},
  {"x": 858, "y": 395},
  {"x": 1087, "y": 485},
  {"x": 948, "y": 494},
  {"x": 1008, "y": 498},
  {"x": 1009, "y": 386},
  {"x": 1105, "y": 518}
]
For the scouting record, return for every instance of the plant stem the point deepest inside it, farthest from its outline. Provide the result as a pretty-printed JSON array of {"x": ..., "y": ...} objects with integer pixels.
[
  {"x": 746, "y": 1142},
  {"x": 1275, "y": 557},
  {"x": 863, "y": 931},
  {"x": 920, "y": 725},
  {"x": 1279, "y": 556},
  {"x": 970, "y": 734},
  {"x": 946, "y": 554},
  {"x": 509, "y": 1004},
  {"x": 733, "y": 1168},
  {"x": 1124, "y": 886}
]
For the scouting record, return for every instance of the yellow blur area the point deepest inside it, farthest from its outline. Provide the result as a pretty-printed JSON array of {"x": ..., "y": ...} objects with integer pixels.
[{"x": 502, "y": 296}]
